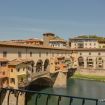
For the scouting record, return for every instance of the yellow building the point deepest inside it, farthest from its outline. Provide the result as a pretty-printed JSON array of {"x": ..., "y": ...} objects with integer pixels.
[{"x": 18, "y": 72}]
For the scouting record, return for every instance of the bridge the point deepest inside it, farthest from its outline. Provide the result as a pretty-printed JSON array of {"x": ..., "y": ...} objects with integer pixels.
[
  {"x": 47, "y": 75},
  {"x": 37, "y": 76}
]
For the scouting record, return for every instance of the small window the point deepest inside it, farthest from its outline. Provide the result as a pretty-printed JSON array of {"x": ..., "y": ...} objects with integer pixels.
[
  {"x": 99, "y": 53},
  {"x": 4, "y": 54},
  {"x": 12, "y": 80},
  {"x": 23, "y": 68},
  {"x": 80, "y": 53},
  {"x": 30, "y": 54},
  {"x": 46, "y": 53},
  {"x": 11, "y": 70},
  {"x": 18, "y": 69},
  {"x": 19, "y": 54},
  {"x": 3, "y": 73},
  {"x": 89, "y": 53},
  {"x": 39, "y": 54}
]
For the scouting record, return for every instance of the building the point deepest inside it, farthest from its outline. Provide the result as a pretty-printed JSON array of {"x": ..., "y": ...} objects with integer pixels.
[
  {"x": 58, "y": 42},
  {"x": 32, "y": 41},
  {"x": 19, "y": 55},
  {"x": 19, "y": 72},
  {"x": 83, "y": 43},
  {"x": 54, "y": 41},
  {"x": 93, "y": 59},
  {"x": 101, "y": 43},
  {"x": 4, "y": 75}
]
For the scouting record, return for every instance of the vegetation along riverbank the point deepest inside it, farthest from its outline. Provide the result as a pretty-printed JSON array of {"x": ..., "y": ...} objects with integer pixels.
[{"x": 90, "y": 75}]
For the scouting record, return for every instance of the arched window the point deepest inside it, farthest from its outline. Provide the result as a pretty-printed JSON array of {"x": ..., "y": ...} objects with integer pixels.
[
  {"x": 81, "y": 61},
  {"x": 89, "y": 62},
  {"x": 46, "y": 63},
  {"x": 39, "y": 65},
  {"x": 99, "y": 62}
]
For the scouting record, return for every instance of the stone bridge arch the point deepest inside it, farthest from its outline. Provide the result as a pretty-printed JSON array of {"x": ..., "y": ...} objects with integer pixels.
[
  {"x": 39, "y": 65},
  {"x": 40, "y": 83},
  {"x": 46, "y": 64}
]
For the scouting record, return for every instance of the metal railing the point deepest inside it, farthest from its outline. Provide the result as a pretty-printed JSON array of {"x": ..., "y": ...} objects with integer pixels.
[{"x": 71, "y": 99}]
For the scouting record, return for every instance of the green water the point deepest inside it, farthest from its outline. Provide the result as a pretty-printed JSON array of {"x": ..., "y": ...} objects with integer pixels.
[{"x": 81, "y": 88}]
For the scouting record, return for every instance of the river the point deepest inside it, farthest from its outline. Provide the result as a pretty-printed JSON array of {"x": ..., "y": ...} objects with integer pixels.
[{"x": 75, "y": 87}]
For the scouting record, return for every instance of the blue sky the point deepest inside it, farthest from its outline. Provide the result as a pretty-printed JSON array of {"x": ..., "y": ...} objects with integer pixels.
[{"x": 21, "y": 19}]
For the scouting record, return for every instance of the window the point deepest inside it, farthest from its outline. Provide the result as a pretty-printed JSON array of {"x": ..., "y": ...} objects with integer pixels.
[
  {"x": 23, "y": 68},
  {"x": 4, "y": 54},
  {"x": 30, "y": 54},
  {"x": 89, "y": 53},
  {"x": 19, "y": 54},
  {"x": 46, "y": 53},
  {"x": 99, "y": 53},
  {"x": 39, "y": 54},
  {"x": 12, "y": 80},
  {"x": 11, "y": 70},
  {"x": 18, "y": 69},
  {"x": 80, "y": 53},
  {"x": 3, "y": 73}
]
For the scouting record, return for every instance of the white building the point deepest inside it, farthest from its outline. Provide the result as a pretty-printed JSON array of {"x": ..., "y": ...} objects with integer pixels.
[
  {"x": 57, "y": 43},
  {"x": 83, "y": 43}
]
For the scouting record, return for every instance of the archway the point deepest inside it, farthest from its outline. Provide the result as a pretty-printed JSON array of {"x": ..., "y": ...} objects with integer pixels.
[
  {"x": 99, "y": 62},
  {"x": 39, "y": 65},
  {"x": 89, "y": 62},
  {"x": 81, "y": 61},
  {"x": 46, "y": 63},
  {"x": 40, "y": 83}
]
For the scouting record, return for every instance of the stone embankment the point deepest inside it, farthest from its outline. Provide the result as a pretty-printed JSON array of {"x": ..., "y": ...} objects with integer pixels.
[{"x": 98, "y": 75}]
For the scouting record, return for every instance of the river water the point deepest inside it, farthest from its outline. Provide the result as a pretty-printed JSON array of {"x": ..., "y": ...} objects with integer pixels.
[{"x": 75, "y": 87}]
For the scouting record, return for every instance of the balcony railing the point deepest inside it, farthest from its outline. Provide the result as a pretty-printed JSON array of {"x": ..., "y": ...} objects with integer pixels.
[{"x": 17, "y": 93}]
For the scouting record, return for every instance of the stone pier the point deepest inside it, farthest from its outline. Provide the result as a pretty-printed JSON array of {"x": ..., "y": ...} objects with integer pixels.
[{"x": 61, "y": 80}]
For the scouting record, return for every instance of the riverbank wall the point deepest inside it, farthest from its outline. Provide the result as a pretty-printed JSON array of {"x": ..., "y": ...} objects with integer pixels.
[{"x": 97, "y": 75}]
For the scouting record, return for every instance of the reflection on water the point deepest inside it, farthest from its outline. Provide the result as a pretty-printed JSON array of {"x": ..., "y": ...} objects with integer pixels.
[{"x": 82, "y": 88}]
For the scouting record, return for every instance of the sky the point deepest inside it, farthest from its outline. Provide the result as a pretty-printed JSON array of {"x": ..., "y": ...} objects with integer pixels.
[{"x": 23, "y": 19}]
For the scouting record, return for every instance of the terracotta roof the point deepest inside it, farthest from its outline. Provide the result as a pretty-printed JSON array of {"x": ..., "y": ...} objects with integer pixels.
[
  {"x": 88, "y": 49},
  {"x": 33, "y": 39},
  {"x": 3, "y": 60},
  {"x": 19, "y": 61},
  {"x": 57, "y": 40},
  {"x": 29, "y": 46}
]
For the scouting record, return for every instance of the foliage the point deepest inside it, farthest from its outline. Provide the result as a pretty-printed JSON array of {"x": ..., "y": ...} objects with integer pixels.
[
  {"x": 92, "y": 36},
  {"x": 89, "y": 77}
]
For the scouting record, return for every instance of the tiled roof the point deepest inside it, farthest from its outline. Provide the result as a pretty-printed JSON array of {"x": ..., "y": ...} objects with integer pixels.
[
  {"x": 3, "y": 60},
  {"x": 19, "y": 61},
  {"x": 29, "y": 46},
  {"x": 33, "y": 39},
  {"x": 88, "y": 49}
]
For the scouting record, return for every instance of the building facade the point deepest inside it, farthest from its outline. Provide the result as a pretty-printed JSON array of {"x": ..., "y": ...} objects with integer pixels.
[{"x": 83, "y": 43}]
